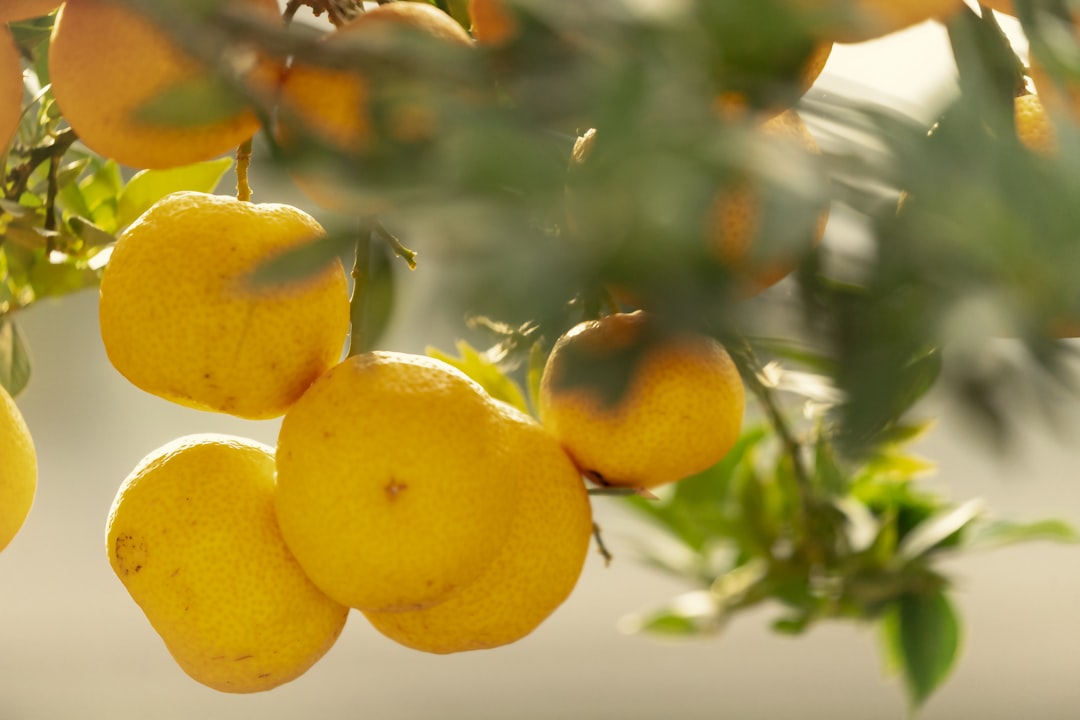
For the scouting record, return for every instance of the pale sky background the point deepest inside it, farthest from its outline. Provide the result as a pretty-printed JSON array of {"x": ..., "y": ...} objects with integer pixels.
[{"x": 74, "y": 646}]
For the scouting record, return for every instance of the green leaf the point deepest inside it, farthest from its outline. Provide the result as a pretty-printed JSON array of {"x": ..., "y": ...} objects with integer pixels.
[
  {"x": 937, "y": 529},
  {"x": 485, "y": 372},
  {"x": 14, "y": 357},
  {"x": 999, "y": 533},
  {"x": 148, "y": 186},
  {"x": 202, "y": 100},
  {"x": 922, "y": 638},
  {"x": 302, "y": 261},
  {"x": 688, "y": 615}
]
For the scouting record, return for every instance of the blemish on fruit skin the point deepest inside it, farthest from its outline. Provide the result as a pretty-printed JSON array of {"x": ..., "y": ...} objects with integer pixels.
[
  {"x": 130, "y": 554},
  {"x": 395, "y": 488},
  {"x": 243, "y": 657}
]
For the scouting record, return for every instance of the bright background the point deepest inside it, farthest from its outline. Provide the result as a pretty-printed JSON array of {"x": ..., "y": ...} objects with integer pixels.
[{"x": 74, "y": 645}]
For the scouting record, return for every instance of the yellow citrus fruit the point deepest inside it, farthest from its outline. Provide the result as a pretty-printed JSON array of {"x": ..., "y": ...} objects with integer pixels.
[
  {"x": 339, "y": 107},
  {"x": 181, "y": 317},
  {"x": 11, "y": 88},
  {"x": 492, "y": 23},
  {"x": 868, "y": 19},
  {"x": 393, "y": 490},
  {"x": 13, "y": 10},
  {"x": 534, "y": 572},
  {"x": 193, "y": 537},
  {"x": 18, "y": 469},
  {"x": 735, "y": 220},
  {"x": 636, "y": 406},
  {"x": 1033, "y": 126},
  {"x": 107, "y": 63}
]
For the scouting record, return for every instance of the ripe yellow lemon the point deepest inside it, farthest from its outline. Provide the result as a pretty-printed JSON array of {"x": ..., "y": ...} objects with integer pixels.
[
  {"x": 735, "y": 220},
  {"x": 193, "y": 537},
  {"x": 1033, "y": 126},
  {"x": 181, "y": 318},
  {"x": 106, "y": 63},
  {"x": 18, "y": 469},
  {"x": 868, "y": 19},
  {"x": 535, "y": 571},
  {"x": 353, "y": 110},
  {"x": 492, "y": 23},
  {"x": 638, "y": 407},
  {"x": 11, "y": 88},
  {"x": 392, "y": 485},
  {"x": 13, "y": 10}
]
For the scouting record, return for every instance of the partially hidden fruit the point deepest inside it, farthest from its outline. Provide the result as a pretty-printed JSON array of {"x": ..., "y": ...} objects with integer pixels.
[
  {"x": 193, "y": 537},
  {"x": 392, "y": 485},
  {"x": 356, "y": 110},
  {"x": 11, "y": 88},
  {"x": 1002, "y": 6},
  {"x": 636, "y": 405},
  {"x": 18, "y": 469},
  {"x": 859, "y": 20},
  {"x": 735, "y": 221},
  {"x": 182, "y": 318},
  {"x": 534, "y": 572},
  {"x": 491, "y": 22},
  {"x": 1033, "y": 126},
  {"x": 107, "y": 63},
  {"x": 14, "y": 10}
]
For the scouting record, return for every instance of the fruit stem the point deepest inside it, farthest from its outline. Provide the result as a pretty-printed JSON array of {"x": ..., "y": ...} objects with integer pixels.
[
  {"x": 600, "y": 545},
  {"x": 361, "y": 275},
  {"x": 409, "y": 256},
  {"x": 243, "y": 163}
]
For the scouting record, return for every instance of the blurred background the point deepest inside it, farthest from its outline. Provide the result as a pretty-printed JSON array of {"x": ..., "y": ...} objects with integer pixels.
[{"x": 74, "y": 645}]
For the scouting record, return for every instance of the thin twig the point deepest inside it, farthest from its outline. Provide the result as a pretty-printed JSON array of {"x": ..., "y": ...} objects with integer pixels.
[
  {"x": 409, "y": 256},
  {"x": 601, "y": 546},
  {"x": 243, "y": 163}
]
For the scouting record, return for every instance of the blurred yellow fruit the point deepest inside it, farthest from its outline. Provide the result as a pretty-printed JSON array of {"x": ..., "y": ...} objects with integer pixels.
[
  {"x": 193, "y": 537},
  {"x": 1033, "y": 126},
  {"x": 18, "y": 469},
  {"x": 392, "y": 485},
  {"x": 535, "y": 571},
  {"x": 868, "y": 19},
  {"x": 353, "y": 110},
  {"x": 636, "y": 406},
  {"x": 106, "y": 63},
  {"x": 182, "y": 319},
  {"x": 13, "y": 10},
  {"x": 492, "y": 23},
  {"x": 735, "y": 221},
  {"x": 1002, "y": 6},
  {"x": 11, "y": 88}
]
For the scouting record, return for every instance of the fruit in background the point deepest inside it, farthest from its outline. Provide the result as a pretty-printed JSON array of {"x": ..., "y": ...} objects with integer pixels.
[
  {"x": 18, "y": 469},
  {"x": 1033, "y": 126},
  {"x": 354, "y": 110},
  {"x": 193, "y": 537},
  {"x": 492, "y": 23},
  {"x": 534, "y": 572},
  {"x": 14, "y": 10},
  {"x": 635, "y": 406},
  {"x": 393, "y": 491},
  {"x": 107, "y": 63},
  {"x": 11, "y": 88},
  {"x": 181, "y": 317},
  {"x": 867, "y": 19},
  {"x": 735, "y": 221}
]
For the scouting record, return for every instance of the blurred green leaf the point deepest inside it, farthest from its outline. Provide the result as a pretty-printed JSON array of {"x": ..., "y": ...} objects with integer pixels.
[
  {"x": 922, "y": 637},
  {"x": 202, "y": 100},
  {"x": 302, "y": 261},
  {"x": 485, "y": 372},
  {"x": 14, "y": 357},
  {"x": 999, "y": 533},
  {"x": 688, "y": 615},
  {"x": 937, "y": 529},
  {"x": 148, "y": 186}
]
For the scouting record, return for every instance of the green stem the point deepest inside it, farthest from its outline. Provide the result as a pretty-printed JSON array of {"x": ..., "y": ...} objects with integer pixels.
[
  {"x": 361, "y": 275},
  {"x": 409, "y": 256}
]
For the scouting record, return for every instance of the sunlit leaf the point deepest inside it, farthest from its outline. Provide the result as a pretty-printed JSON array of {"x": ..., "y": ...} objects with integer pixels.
[
  {"x": 935, "y": 530},
  {"x": 687, "y": 615},
  {"x": 999, "y": 533},
  {"x": 148, "y": 186},
  {"x": 485, "y": 372}
]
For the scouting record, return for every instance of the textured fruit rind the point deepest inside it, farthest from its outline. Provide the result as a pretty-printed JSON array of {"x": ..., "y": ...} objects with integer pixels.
[
  {"x": 536, "y": 569},
  {"x": 391, "y": 491},
  {"x": 193, "y": 537},
  {"x": 678, "y": 412},
  {"x": 18, "y": 469}
]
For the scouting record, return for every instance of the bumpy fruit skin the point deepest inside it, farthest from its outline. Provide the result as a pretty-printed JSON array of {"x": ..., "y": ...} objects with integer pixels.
[
  {"x": 193, "y": 537},
  {"x": 11, "y": 88},
  {"x": 106, "y": 62},
  {"x": 14, "y": 10},
  {"x": 18, "y": 469},
  {"x": 181, "y": 318},
  {"x": 391, "y": 486},
  {"x": 635, "y": 407},
  {"x": 735, "y": 218},
  {"x": 535, "y": 571},
  {"x": 337, "y": 106}
]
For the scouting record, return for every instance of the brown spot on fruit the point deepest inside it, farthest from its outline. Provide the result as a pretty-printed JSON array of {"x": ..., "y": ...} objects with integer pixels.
[{"x": 395, "y": 488}]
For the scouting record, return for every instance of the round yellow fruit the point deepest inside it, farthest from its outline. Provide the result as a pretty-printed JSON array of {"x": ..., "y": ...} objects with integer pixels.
[
  {"x": 353, "y": 110},
  {"x": 535, "y": 571},
  {"x": 1033, "y": 126},
  {"x": 193, "y": 537},
  {"x": 14, "y": 10},
  {"x": 637, "y": 406},
  {"x": 106, "y": 63},
  {"x": 867, "y": 19},
  {"x": 18, "y": 469},
  {"x": 11, "y": 88},
  {"x": 392, "y": 485},
  {"x": 181, "y": 317},
  {"x": 735, "y": 220}
]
